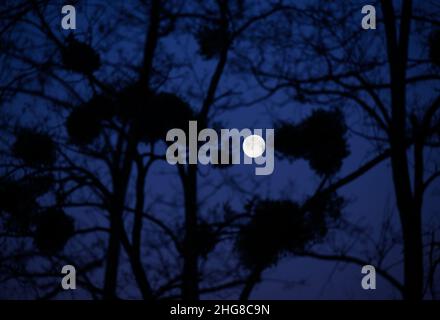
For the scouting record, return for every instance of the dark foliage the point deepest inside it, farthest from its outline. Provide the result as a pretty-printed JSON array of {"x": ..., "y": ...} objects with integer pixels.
[
  {"x": 434, "y": 47},
  {"x": 133, "y": 102},
  {"x": 153, "y": 114},
  {"x": 323, "y": 208},
  {"x": 53, "y": 229},
  {"x": 18, "y": 201},
  {"x": 206, "y": 239},
  {"x": 103, "y": 107},
  {"x": 211, "y": 40},
  {"x": 38, "y": 184},
  {"x": 19, "y": 196},
  {"x": 34, "y": 148},
  {"x": 213, "y": 37},
  {"x": 172, "y": 111},
  {"x": 278, "y": 228},
  {"x": 84, "y": 124},
  {"x": 80, "y": 57},
  {"x": 275, "y": 226},
  {"x": 320, "y": 139}
]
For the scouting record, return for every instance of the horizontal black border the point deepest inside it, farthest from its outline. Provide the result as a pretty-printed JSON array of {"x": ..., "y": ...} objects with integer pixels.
[{"x": 127, "y": 310}]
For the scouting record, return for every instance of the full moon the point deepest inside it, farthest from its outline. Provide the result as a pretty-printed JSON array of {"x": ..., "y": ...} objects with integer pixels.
[{"x": 254, "y": 146}]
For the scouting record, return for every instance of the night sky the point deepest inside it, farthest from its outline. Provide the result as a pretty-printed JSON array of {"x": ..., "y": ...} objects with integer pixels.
[{"x": 116, "y": 29}]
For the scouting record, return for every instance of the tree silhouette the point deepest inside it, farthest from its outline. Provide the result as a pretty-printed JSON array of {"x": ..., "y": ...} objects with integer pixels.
[
  {"x": 377, "y": 73},
  {"x": 84, "y": 115}
]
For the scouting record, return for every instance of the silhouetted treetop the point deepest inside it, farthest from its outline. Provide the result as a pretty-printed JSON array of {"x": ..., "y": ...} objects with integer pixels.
[
  {"x": 19, "y": 199},
  {"x": 320, "y": 139},
  {"x": 151, "y": 114},
  {"x": 17, "y": 205},
  {"x": 83, "y": 125},
  {"x": 211, "y": 40},
  {"x": 79, "y": 56},
  {"x": 85, "y": 122},
  {"x": 206, "y": 238},
  {"x": 434, "y": 47},
  {"x": 53, "y": 228},
  {"x": 215, "y": 35},
  {"x": 50, "y": 227},
  {"x": 280, "y": 227},
  {"x": 323, "y": 208},
  {"x": 270, "y": 232},
  {"x": 34, "y": 148},
  {"x": 169, "y": 111}
]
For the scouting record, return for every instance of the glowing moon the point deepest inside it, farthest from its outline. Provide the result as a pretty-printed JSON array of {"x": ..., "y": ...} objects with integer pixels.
[{"x": 254, "y": 146}]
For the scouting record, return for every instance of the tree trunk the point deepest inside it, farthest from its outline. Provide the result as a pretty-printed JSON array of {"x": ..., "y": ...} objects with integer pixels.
[
  {"x": 407, "y": 203},
  {"x": 413, "y": 256},
  {"x": 112, "y": 263},
  {"x": 252, "y": 280},
  {"x": 190, "y": 289},
  {"x": 410, "y": 218}
]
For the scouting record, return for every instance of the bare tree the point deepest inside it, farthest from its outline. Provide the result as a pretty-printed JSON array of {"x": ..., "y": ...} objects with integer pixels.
[
  {"x": 84, "y": 115},
  {"x": 329, "y": 60}
]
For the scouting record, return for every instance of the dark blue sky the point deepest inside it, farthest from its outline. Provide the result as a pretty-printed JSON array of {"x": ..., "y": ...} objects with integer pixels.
[{"x": 371, "y": 197}]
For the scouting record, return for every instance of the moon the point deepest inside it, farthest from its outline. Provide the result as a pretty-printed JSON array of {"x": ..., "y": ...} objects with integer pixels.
[{"x": 254, "y": 146}]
